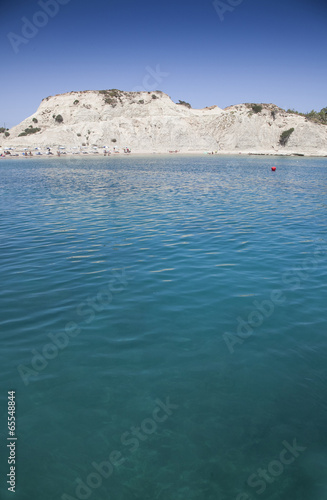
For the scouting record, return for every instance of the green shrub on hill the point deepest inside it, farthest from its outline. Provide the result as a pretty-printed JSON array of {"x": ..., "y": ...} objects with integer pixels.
[
  {"x": 314, "y": 116},
  {"x": 284, "y": 136},
  {"x": 29, "y": 131},
  {"x": 111, "y": 96},
  {"x": 183, "y": 103},
  {"x": 59, "y": 119},
  {"x": 115, "y": 92},
  {"x": 256, "y": 108}
]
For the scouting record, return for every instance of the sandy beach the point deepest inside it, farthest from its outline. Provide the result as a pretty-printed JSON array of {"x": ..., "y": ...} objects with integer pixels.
[{"x": 12, "y": 153}]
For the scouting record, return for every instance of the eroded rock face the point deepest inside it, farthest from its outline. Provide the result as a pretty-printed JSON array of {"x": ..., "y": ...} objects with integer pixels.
[{"x": 152, "y": 122}]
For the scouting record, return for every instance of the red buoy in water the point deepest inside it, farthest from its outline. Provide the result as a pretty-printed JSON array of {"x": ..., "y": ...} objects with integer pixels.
[{"x": 273, "y": 169}]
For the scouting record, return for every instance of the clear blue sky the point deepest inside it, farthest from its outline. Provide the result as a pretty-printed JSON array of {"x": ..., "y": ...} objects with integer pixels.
[{"x": 257, "y": 51}]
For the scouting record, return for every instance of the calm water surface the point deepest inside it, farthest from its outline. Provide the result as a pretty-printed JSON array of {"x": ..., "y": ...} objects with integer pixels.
[{"x": 167, "y": 314}]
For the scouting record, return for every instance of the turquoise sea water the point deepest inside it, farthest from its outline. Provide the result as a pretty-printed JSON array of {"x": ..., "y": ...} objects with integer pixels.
[{"x": 164, "y": 327}]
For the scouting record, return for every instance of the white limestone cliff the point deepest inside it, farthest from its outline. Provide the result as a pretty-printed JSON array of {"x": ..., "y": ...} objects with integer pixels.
[{"x": 151, "y": 122}]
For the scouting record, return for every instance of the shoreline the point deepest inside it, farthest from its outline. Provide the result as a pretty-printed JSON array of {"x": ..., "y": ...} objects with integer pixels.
[
  {"x": 17, "y": 154},
  {"x": 12, "y": 150}
]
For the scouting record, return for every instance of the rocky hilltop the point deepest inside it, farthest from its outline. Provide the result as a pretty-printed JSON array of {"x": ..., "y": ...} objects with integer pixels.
[{"x": 151, "y": 122}]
